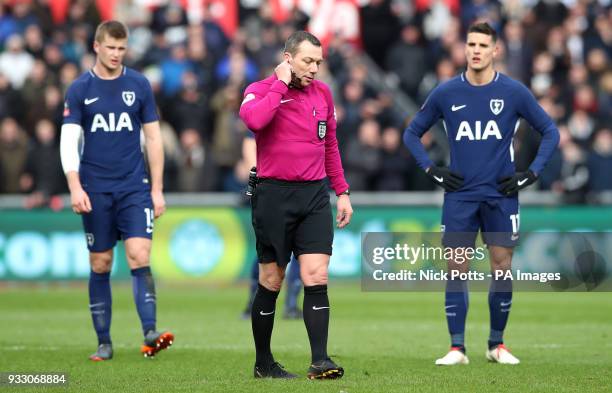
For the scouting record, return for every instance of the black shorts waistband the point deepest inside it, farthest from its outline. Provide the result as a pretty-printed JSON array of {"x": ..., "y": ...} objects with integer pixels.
[{"x": 289, "y": 183}]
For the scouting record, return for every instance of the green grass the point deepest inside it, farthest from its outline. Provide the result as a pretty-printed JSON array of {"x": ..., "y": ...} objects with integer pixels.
[{"x": 387, "y": 342}]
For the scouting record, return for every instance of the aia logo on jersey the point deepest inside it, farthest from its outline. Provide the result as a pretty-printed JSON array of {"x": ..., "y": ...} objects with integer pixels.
[
  {"x": 476, "y": 133},
  {"x": 128, "y": 97},
  {"x": 496, "y": 106},
  {"x": 111, "y": 123}
]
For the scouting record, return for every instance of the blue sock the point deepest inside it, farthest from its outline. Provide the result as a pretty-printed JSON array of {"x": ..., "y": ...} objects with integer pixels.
[
  {"x": 294, "y": 285},
  {"x": 456, "y": 307},
  {"x": 144, "y": 297},
  {"x": 100, "y": 305},
  {"x": 500, "y": 301}
]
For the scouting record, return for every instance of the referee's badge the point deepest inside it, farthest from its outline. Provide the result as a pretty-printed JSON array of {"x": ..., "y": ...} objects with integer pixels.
[
  {"x": 128, "y": 97},
  {"x": 322, "y": 129}
]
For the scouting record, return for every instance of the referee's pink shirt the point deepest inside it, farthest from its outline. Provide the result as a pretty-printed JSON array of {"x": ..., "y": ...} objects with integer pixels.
[{"x": 287, "y": 124}]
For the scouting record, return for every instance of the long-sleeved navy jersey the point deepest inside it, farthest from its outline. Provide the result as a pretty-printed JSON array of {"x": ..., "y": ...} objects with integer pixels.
[
  {"x": 111, "y": 112},
  {"x": 480, "y": 122}
]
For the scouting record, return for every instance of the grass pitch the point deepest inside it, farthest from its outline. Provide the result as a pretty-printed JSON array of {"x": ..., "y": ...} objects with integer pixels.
[{"x": 387, "y": 342}]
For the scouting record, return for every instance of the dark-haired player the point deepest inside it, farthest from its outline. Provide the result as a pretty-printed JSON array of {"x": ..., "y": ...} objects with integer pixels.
[{"x": 481, "y": 110}]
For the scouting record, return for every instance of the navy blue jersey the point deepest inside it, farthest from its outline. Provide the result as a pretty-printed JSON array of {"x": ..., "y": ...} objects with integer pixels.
[
  {"x": 111, "y": 113},
  {"x": 480, "y": 123}
]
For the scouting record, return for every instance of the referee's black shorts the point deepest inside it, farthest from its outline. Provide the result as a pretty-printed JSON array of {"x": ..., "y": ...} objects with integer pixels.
[{"x": 291, "y": 217}]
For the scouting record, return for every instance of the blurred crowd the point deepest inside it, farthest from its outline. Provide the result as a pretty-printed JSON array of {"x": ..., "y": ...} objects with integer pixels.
[{"x": 561, "y": 50}]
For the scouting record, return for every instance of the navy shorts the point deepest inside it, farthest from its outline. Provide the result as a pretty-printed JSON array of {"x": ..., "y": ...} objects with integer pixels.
[
  {"x": 117, "y": 216},
  {"x": 498, "y": 220}
]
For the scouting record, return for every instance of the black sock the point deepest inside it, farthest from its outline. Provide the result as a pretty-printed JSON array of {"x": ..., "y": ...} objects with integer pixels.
[
  {"x": 316, "y": 319},
  {"x": 262, "y": 321}
]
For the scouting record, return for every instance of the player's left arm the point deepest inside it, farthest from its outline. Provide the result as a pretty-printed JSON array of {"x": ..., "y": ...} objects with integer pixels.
[
  {"x": 155, "y": 157},
  {"x": 333, "y": 165},
  {"x": 154, "y": 147},
  {"x": 530, "y": 110}
]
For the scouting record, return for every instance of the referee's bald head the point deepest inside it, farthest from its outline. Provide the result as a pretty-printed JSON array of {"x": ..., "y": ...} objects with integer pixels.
[{"x": 293, "y": 42}]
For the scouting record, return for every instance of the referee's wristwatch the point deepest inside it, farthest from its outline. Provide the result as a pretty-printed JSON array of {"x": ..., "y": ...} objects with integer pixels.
[{"x": 347, "y": 192}]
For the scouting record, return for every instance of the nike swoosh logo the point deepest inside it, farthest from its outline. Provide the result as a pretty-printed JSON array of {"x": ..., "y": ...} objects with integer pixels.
[
  {"x": 451, "y": 306},
  {"x": 439, "y": 179},
  {"x": 318, "y": 308},
  {"x": 521, "y": 182},
  {"x": 283, "y": 101},
  {"x": 91, "y": 100},
  {"x": 505, "y": 304},
  {"x": 266, "y": 313},
  {"x": 456, "y": 108}
]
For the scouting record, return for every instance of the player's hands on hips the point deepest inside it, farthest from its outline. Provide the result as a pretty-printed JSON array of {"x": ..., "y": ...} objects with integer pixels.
[
  {"x": 345, "y": 211},
  {"x": 512, "y": 184},
  {"x": 79, "y": 201},
  {"x": 159, "y": 203},
  {"x": 283, "y": 72},
  {"x": 443, "y": 177}
]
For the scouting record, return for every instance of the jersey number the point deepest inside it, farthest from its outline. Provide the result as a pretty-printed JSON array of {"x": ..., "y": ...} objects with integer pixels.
[
  {"x": 150, "y": 216},
  {"x": 516, "y": 222}
]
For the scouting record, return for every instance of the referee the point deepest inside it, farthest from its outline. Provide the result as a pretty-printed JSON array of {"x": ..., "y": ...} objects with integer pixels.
[{"x": 293, "y": 118}]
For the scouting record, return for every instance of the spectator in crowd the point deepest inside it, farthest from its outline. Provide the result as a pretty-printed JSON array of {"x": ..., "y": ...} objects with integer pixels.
[
  {"x": 34, "y": 41},
  {"x": 567, "y": 173},
  {"x": 604, "y": 94},
  {"x": 363, "y": 156},
  {"x": 228, "y": 134},
  {"x": 574, "y": 174},
  {"x": 600, "y": 161},
  {"x": 190, "y": 108},
  {"x": 196, "y": 172},
  {"x": 379, "y": 28},
  {"x": 393, "y": 168},
  {"x": 43, "y": 171},
  {"x": 38, "y": 81},
  {"x": 518, "y": 51},
  {"x": 13, "y": 155},
  {"x": 24, "y": 15},
  {"x": 8, "y": 25},
  {"x": 173, "y": 69},
  {"x": 15, "y": 62},
  {"x": 406, "y": 59},
  {"x": 10, "y": 100},
  {"x": 49, "y": 107},
  {"x": 53, "y": 57},
  {"x": 236, "y": 68}
]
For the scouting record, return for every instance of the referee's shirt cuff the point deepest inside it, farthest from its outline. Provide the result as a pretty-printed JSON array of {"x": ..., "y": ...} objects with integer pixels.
[{"x": 278, "y": 86}]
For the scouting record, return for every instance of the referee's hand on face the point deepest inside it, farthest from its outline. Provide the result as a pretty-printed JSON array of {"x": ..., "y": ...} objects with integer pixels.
[
  {"x": 283, "y": 72},
  {"x": 345, "y": 211}
]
